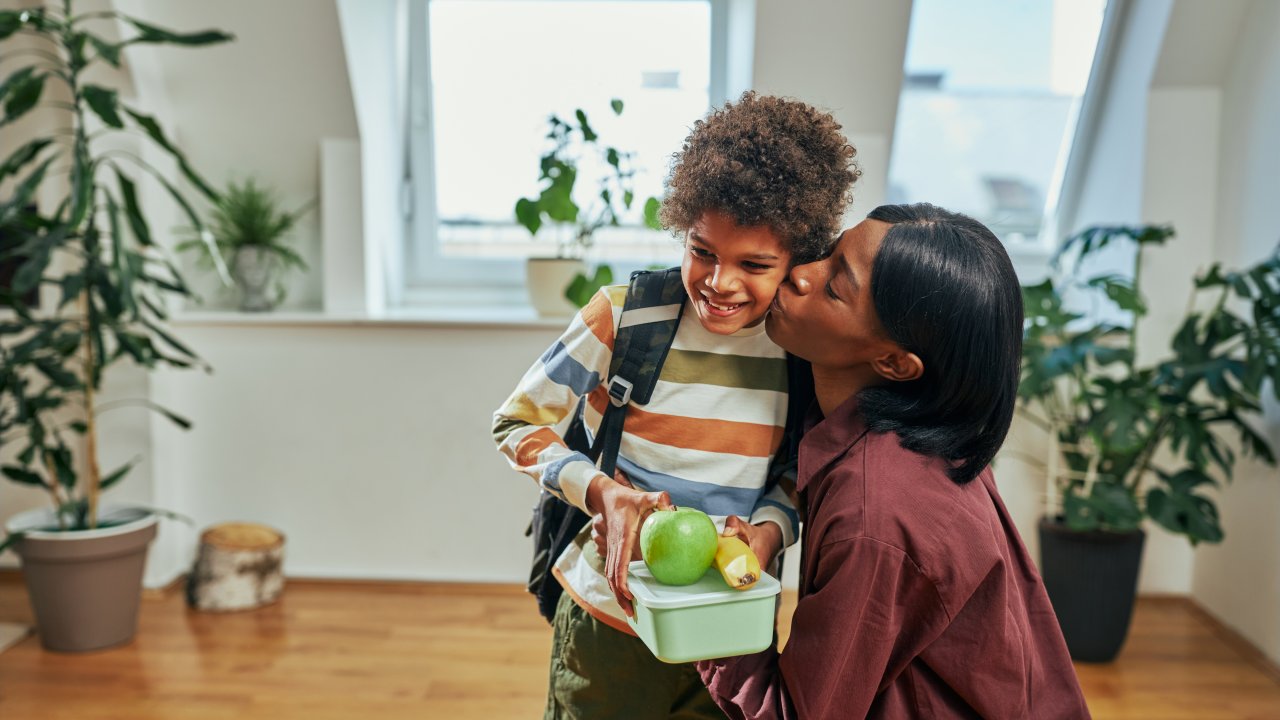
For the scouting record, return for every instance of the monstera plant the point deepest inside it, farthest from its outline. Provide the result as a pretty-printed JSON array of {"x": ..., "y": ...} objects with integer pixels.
[
  {"x": 104, "y": 276},
  {"x": 1133, "y": 440}
]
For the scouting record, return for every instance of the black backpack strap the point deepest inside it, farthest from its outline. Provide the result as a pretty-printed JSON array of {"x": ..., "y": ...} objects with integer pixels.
[
  {"x": 800, "y": 397},
  {"x": 646, "y": 329}
]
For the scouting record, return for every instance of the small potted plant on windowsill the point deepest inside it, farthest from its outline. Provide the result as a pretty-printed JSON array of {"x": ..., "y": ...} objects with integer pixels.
[
  {"x": 559, "y": 285},
  {"x": 249, "y": 234},
  {"x": 1134, "y": 441}
]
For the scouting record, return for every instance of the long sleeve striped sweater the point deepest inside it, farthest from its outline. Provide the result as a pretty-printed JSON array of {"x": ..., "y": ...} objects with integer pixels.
[{"x": 706, "y": 437}]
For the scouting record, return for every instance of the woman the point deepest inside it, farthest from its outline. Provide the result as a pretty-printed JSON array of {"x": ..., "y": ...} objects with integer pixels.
[{"x": 917, "y": 597}]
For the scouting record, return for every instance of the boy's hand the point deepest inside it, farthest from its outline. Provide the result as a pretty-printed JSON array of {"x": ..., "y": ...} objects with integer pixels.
[
  {"x": 765, "y": 539},
  {"x": 622, "y": 510},
  {"x": 599, "y": 528}
]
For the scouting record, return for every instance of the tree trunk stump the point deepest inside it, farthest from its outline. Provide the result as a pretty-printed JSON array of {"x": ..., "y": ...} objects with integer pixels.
[{"x": 239, "y": 567}]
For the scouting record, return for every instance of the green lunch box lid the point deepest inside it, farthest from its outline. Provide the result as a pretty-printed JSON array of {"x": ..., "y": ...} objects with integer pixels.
[{"x": 710, "y": 590}]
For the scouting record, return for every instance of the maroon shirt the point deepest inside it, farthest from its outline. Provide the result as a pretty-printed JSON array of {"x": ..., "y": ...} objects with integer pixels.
[{"x": 917, "y": 598}]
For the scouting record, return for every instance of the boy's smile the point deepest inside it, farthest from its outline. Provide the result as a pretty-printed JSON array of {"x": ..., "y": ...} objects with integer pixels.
[{"x": 731, "y": 272}]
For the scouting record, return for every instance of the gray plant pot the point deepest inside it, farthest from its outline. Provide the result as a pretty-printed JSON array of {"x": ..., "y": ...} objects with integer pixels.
[
  {"x": 1092, "y": 581},
  {"x": 251, "y": 269},
  {"x": 85, "y": 586}
]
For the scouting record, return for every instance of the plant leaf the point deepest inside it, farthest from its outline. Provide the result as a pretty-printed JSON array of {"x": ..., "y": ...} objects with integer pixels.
[
  {"x": 23, "y": 476},
  {"x": 107, "y": 51},
  {"x": 132, "y": 211},
  {"x": 652, "y": 211},
  {"x": 20, "y": 92},
  {"x": 22, "y": 156},
  {"x": 581, "y": 289},
  {"x": 616, "y": 104},
  {"x": 104, "y": 103},
  {"x": 588, "y": 134},
  {"x": 117, "y": 475},
  {"x": 529, "y": 215},
  {"x": 153, "y": 130},
  {"x": 153, "y": 34},
  {"x": 1185, "y": 513}
]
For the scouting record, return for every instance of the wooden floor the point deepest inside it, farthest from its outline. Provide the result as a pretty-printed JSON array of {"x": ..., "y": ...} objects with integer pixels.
[{"x": 388, "y": 651}]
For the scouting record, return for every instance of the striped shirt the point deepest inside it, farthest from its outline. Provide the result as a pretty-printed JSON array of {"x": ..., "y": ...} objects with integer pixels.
[{"x": 706, "y": 436}]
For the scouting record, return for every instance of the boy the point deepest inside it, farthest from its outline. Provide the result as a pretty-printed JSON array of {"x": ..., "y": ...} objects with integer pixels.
[{"x": 759, "y": 185}]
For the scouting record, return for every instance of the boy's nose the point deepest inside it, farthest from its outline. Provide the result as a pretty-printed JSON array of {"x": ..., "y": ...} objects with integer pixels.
[{"x": 722, "y": 280}]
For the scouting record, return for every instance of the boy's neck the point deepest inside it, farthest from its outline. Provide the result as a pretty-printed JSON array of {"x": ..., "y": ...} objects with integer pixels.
[{"x": 833, "y": 386}]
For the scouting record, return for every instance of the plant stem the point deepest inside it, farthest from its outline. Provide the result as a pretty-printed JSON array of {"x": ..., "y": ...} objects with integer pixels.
[
  {"x": 1133, "y": 329},
  {"x": 1027, "y": 458},
  {"x": 106, "y": 15},
  {"x": 94, "y": 477},
  {"x": 52, "y": 487},
  {"x": 91, "y": 432},
  {"x": 1043, "y": 424},
  {"x": 1153, "y": 442}
]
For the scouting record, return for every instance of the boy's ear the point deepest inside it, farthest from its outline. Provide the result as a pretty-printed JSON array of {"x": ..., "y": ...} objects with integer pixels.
[{"x": 899, "y": 365}]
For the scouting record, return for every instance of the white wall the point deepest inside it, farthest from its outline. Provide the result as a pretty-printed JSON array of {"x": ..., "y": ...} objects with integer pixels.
[
  {"x": 845, "y": 56},
  {"x": 368, "y": 446},
  {"x": 258, "y": 106},
  {"x": 1239, "y": 580}
]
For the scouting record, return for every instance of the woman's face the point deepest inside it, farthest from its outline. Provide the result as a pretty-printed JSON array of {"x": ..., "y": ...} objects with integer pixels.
[
  {"x": 824, "y": 312},
  {"x": 731, "y": 272}
]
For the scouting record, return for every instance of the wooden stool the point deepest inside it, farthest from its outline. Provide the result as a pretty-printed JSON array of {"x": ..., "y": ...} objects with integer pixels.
[{"x": 239, "y": 567}]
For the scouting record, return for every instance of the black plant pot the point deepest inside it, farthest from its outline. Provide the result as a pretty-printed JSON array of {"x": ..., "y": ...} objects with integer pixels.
[{"x": 1092, "y": 579}]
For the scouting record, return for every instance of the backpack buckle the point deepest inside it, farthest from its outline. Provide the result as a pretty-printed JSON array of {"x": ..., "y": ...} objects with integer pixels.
[{"x": 620, "y": 391}]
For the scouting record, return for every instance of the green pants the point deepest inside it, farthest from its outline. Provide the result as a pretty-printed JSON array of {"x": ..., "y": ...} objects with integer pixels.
[{"x": 598, "y": 673}]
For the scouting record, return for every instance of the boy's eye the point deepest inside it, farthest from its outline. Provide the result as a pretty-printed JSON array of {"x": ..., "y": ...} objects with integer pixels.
[
  {"x": 699, "y": 252},
  {"x": 756, "y": 266}
]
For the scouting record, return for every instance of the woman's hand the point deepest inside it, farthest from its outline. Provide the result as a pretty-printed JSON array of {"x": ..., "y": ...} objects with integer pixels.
[
  {"x": 765, "y": 539},
  {"x": 621, "y": 509}
]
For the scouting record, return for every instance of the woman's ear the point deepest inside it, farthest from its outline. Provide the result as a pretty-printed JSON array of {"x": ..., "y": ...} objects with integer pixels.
[{"x": 899, "y": 365}]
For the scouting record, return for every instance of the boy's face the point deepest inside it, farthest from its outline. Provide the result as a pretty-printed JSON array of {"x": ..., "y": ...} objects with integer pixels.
[
  {"x": 825, "y": 313},
  {"x": 731, "y": 272}
]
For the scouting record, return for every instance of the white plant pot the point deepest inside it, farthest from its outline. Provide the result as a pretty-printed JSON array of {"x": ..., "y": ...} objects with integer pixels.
[
  {"x": 251, "y": 269},
  {"x": 547, "y": 279}
]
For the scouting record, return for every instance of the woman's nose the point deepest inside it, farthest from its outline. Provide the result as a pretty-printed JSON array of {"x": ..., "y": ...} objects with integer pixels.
[{"x": 801, "y": 276}]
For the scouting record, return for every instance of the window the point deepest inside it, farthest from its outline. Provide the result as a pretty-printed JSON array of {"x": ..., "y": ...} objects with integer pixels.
[
  {"x": 988, "y": 109},
  {"x": 486, "y": 74}
]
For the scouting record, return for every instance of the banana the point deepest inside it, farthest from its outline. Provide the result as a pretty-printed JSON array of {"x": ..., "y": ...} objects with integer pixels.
[{"x": 736, "y": 563}]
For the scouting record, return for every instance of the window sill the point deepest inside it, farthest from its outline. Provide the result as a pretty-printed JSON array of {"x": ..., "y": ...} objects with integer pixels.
[{"x": 453, "y": 318}]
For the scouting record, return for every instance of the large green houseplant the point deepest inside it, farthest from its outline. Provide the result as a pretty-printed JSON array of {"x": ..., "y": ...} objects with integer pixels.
[
  {"x": 576, "y": 148},
  {"x": 107, "y": 281},
  {"x": 1132, "y": 440}
]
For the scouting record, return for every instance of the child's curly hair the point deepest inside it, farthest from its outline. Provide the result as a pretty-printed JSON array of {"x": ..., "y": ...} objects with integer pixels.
[{"x": 766, "y": 161}]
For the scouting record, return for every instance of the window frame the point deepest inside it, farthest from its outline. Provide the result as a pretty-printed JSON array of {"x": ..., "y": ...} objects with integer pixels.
[
  {"x": 1031, "y": 257},
  {"x": 427, "y": 276}
]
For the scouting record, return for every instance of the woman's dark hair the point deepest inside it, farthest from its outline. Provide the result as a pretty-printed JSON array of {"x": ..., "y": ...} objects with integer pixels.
[
  {"x": 766, "y": 161},
  {"x": 944, "y": 289}
]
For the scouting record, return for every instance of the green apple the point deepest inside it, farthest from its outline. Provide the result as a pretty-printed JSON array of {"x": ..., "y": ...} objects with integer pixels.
[{"x": 678, "y": 545}]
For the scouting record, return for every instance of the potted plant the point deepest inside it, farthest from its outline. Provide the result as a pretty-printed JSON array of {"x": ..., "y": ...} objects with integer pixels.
[
  {"x": 108, "y": 280},
  {"x": 249, "y": 231},
  {"x": 1133, "y": 441},
  {"x": 552, "y": 281}
]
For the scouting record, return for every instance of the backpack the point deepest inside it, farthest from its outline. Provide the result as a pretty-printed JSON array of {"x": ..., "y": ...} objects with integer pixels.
[{"x": 650, "y": 317}]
